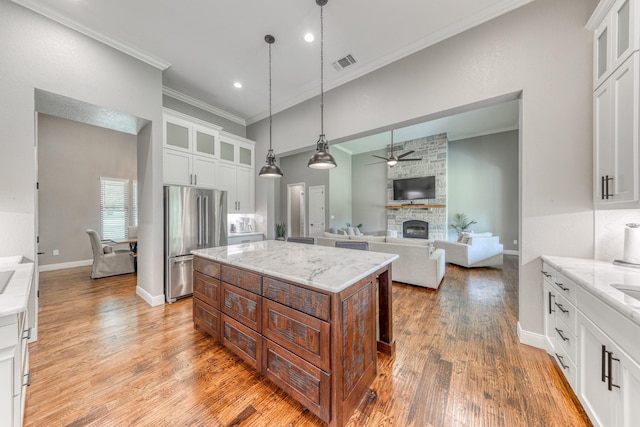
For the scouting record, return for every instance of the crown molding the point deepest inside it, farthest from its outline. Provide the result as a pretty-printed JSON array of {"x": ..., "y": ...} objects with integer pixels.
[
  {"x": 109, "y": 41},
  {"x": 202, "y": 105},
  {"x": 433, "y": 38},
  {"x": 599, "y": 14}
]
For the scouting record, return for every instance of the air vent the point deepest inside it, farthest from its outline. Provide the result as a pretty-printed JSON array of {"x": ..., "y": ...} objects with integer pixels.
[{"x": 344, "y": 62}]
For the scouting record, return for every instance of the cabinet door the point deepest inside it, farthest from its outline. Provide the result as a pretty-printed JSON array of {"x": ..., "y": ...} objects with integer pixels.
[
  {"x": 227, "y": 151},
  {"x": 204, "y": 141},
  {"x": 225, "y": 175},
  {"x": 204, "y": 170},
  {"x": 624, "y": 90},
  {"x": 602, "y": 52},
  {"x": 245, "y": 154},
  {"x": 176, "y": 168},
  {"x": 599, "y": 402},
  {"x": 624, "y": 26},
  {"x": 629, "y": 381},
  {"x": 177, "y": 133},
  {"x": 245, "y": 186}
]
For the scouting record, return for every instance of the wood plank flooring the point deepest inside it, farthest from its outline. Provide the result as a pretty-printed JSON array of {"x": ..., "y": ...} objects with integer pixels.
[{"x": 105, "y": 358}]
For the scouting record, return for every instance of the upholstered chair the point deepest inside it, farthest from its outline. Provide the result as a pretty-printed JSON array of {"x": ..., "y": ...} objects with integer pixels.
[{"x": 106, "y": 260}]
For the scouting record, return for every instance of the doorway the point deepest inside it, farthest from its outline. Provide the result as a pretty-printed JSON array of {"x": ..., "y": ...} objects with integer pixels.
[
  {"x": 296, "y": 210},
  {"x": 316, "y": 211}
]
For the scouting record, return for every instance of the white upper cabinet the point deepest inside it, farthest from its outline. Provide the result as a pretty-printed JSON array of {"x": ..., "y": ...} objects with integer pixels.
[
  {"x": 235, "y": 173},
  {"x": 615, "y": 37},
  {"x": 190, "y": 150}
]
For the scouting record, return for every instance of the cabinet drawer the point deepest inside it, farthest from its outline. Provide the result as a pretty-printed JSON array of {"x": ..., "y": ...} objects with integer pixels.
[
  {"x": 299, "y": 333},
  {"x": 243, "y": 279},
  {"x": 548, "y": 273},
  {"x": 206, "y": 318},
  {"x": 204, "y": 266},
  {"x": 567, "y": 366},
  {"x": 565, "y": 311},
  {"x": 566, "y": 339},
  {"x": 300, "y": 379},
  {"x": 206, "y": 289},
  {"x": 307, "y": 301},
  {"x": 243, "y": 341},
  {"x": 242, "y": 305},
  {"x": 566, "y": 287}
]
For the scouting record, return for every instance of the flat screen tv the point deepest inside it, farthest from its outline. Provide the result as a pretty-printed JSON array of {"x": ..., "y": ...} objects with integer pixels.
[{"x": 414, "y": 188}]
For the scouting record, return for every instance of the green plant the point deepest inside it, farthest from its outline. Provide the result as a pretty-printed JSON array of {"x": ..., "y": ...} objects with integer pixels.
[
  {"x": 461, "y": 223},
  {"x": 281, "y": 228}
]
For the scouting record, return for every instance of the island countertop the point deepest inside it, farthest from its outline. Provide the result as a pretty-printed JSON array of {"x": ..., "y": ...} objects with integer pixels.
[{"x": 321, "y": 267}]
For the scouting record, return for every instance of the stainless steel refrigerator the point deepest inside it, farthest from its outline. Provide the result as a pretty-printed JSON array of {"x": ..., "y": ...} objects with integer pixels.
[{"x": 194, "y": 218}]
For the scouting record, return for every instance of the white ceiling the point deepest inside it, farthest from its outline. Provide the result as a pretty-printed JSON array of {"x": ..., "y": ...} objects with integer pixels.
[{"x": 205, "y": 45}]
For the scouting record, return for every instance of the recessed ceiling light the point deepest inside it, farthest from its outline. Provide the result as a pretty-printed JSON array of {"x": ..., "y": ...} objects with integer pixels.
[
  {"x": 237, "y": 85},
  {"x": 308, "y": 37}
]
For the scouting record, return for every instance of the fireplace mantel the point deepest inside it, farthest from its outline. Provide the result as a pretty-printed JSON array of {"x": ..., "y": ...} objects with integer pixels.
[{"x": 416, "y": 206}]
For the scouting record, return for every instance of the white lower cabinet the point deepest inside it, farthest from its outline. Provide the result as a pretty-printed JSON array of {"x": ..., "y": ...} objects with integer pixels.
[
  {"x": 14, "y": 368},
  {"x": 597, "y": 349},
  {"x": 234, "y": 240},
  {"x": 609, "y": 379}
]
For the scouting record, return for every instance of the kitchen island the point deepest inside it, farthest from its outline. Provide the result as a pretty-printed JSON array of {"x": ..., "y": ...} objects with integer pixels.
[{"x": 304, "y": 316}]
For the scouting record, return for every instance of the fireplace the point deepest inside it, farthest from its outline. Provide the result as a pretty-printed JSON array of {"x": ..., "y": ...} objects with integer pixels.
[{"x": 415, "y": 229}]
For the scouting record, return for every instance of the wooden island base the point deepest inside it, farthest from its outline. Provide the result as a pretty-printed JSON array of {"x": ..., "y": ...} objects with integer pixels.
[{"x": 318, "y": 346}]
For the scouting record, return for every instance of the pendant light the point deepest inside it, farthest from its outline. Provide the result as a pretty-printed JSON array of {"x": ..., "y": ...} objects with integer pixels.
[
  {"x": 322, "y": 159},
  {"x": 270, "y": 170}
]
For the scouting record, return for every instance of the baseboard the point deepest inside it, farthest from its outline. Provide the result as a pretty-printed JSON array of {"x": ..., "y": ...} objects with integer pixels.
[
  {"x": 511, "y": 252},
  {"x": 153, "y": 301},
  {"x": 63, "y": 265},
  {"x": 531, "y": 338}
]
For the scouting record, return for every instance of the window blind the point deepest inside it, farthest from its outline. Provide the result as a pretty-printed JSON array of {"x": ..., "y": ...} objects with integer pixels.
[
  {"x": 114, "y": 208},
  {"x": 134, "y": 203}
]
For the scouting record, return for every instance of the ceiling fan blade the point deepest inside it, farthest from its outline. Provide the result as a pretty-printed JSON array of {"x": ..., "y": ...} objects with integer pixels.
[
  {"x": 409, "y": 160},
  {"x": 405, "y": 154},
  {"x": 375, "y": 163},
  {"x": 383, "y": 158}
]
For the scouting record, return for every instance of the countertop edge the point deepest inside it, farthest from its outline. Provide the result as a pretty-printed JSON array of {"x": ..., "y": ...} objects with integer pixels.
[
  {"x": 628, "y": 311},
  {"x": 15, "y": 298}
]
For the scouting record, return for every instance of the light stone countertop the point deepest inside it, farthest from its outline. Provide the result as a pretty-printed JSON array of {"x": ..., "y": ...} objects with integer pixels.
[
  {"x": 326, "y": 268},
  {"x": 15, "y": 297},
  {"x": 247, "y": 233},
  {"x": 597, "y": 277}
]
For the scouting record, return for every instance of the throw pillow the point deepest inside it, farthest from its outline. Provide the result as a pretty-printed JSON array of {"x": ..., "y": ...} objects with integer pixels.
[
  {"x": 351, "y": 231},
  {"x": 335, "y": 236},
  {"x": 357, "y": 231},
  {"x": 107, "y": 249}
]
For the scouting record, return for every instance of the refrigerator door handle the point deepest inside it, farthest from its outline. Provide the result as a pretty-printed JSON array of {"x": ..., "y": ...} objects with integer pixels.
[
  {"x": 206, "y": 220},
  {"x": 199, "y": 213}
]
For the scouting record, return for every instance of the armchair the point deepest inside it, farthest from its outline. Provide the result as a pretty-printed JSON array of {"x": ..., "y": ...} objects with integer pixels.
[
  {"x": 106, "y": 260},
  {"x": 478, "y": 251}
]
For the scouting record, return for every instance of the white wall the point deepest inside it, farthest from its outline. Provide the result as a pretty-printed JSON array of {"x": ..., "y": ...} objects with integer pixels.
[
  {"x": 542, "y": 51},
  {"x": 369, "y": 189},
  {"x": 39, "y": 53}
]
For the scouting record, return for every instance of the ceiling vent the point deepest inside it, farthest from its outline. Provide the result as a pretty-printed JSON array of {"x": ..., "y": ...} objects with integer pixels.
[{"x": 344, "y": 62}]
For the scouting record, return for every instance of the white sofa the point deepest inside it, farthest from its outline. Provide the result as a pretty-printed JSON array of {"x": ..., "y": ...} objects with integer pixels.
[
  {"x": 473, "y": 251},
  {"x": 417, "y": 265}
]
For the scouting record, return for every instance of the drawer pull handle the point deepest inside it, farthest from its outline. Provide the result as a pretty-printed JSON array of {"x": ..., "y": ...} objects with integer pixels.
[
  {"x": 545, "y": 274},
  {"x": 610, "y": 360},
  {"x": 604, "y": 366},
  {"x": 28, "y": 334},
  {"x": 559, "y": 331},
  {"x": 551, "y": 310},
  {"x": 28, "y": 375},
  {"x": 561, "y": 360},
  {"x": 562, "y": 309},
  {"x": 562, "y": 287}
]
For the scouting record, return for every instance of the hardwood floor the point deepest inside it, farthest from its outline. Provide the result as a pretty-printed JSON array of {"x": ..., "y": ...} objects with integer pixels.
[{"x": 105, "y": 358}]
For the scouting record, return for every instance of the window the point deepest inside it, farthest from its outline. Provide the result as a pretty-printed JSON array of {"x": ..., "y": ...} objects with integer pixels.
[{"x": 118, "y": 207}]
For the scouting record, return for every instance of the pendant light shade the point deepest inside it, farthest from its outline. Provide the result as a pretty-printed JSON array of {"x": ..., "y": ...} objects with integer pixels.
[
  {"x": 270, "y": 169},
  {"x": 322, "y": 159}
]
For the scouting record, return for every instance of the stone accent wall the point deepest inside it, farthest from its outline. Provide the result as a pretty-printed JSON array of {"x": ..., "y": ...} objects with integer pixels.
[{"x": 433, "y": 150}]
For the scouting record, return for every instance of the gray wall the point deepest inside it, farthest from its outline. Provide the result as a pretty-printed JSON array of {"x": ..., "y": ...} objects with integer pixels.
[
  {"x": 369, "y": 188},
  {"x": 190, "y": 110},
  {"x": 552, "y": 72},
  {"x": 295, "y": 171},
  {"x": 72, "y": 157},
  {"x": 483, "y": 184},
  {"x": 39, "y": 53},
  {"x": 340, "y": 190}
]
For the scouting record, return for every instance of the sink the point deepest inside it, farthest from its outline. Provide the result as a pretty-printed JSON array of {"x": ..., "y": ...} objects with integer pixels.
[
  {"x": 631, "y": 293},
  {"x": 5, "y": 278}
]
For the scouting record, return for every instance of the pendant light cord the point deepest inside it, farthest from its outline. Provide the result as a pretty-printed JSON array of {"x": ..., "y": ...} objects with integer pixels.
[
  {"x": 321, "y": 73},
  {"x": 270, "y": 120}
]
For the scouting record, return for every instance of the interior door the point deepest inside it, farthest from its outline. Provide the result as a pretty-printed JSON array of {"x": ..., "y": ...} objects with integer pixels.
[{"x": 316, "y": 211}]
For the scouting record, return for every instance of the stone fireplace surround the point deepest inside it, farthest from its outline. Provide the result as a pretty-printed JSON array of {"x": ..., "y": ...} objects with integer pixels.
[{"x": 433, "y": 150}]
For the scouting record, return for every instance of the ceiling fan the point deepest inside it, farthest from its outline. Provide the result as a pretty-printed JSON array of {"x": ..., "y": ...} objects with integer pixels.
[{"x": 392, "y": 160}]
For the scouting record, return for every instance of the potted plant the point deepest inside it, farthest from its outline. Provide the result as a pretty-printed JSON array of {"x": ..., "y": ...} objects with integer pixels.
[
  {"x": 461, "y": 223},
  {"x": 281, "y": 228}
]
